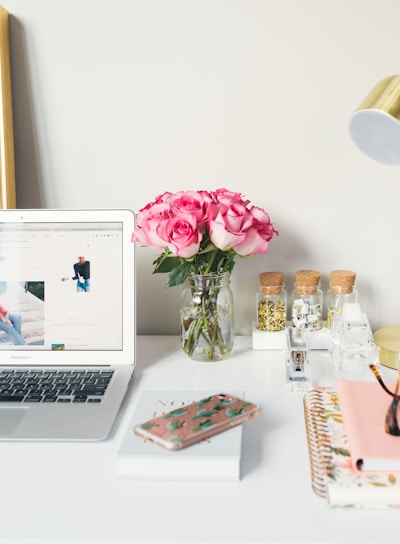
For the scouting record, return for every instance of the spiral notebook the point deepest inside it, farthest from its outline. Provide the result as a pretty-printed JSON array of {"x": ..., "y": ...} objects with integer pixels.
[
  {"x": 332, "y": 474},
  {"x": 364, "y": 406}
]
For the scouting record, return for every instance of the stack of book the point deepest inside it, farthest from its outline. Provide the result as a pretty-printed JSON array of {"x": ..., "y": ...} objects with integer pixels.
[{"x": 353, "y": 461}]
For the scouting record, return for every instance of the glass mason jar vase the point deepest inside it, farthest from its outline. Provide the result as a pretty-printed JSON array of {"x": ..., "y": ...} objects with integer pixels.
[{"x": 207, "y": 317}]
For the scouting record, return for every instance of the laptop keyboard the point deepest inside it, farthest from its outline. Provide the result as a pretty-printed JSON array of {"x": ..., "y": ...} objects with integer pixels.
[{"x": 59, "y": 385}]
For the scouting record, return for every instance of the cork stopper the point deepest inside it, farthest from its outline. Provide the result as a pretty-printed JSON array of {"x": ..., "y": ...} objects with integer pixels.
[
  {"x": 342, "y": 281},
  {"x": 307, "y": 281},
  {"x": 271, "y": 282}
]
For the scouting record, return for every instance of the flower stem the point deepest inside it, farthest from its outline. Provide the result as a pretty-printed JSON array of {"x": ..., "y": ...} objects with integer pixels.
[{"x": 211, "y": 261}]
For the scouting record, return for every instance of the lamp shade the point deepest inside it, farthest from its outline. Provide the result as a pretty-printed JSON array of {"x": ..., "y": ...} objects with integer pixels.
[{"x": 375, "y": 125}]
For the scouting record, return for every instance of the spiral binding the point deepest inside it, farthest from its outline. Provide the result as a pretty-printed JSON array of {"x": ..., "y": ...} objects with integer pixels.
[{"x": 319, "y": 445}]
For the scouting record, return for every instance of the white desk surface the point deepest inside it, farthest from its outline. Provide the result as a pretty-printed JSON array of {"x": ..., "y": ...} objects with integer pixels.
[{"x": 70, "y": 492}]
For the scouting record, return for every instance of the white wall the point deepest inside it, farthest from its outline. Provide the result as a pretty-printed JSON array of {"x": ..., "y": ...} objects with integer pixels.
[{"x": 118, "y": 101}]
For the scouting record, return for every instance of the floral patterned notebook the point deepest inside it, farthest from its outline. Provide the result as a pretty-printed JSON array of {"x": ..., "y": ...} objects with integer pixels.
[{"x": 332, "y": 474}]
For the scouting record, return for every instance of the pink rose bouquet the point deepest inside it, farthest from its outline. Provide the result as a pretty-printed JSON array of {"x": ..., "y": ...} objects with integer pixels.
[{"x": 201, "y": 232}]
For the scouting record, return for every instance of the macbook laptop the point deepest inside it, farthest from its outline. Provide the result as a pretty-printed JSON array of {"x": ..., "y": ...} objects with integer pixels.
[{"x": 67, "y": 322}]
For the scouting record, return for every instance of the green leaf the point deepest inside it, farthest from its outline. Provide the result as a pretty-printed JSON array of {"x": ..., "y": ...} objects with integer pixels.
[
  {"x": 178, "y": 275},
  {"x": 166, "y": 263}
]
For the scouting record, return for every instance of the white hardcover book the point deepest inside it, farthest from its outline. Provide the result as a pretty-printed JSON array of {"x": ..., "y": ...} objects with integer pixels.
[{"x": 217, "y": 458}]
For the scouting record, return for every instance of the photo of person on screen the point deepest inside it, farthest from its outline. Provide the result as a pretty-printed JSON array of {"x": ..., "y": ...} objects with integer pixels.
[
  {"x": 81, "y": 275},
  {"x": 10, "y": 323}
]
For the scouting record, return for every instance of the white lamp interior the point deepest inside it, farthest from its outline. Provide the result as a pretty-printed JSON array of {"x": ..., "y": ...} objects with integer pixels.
[
  {"x": 375, "y": 126},
  {"x": 377, "y": 134}
]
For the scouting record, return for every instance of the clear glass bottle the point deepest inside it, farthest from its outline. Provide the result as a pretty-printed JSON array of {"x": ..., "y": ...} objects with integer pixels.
[
  {"x": 307, "y": 301},
  {"x": 271, "y": 302},
  {"x": 207, "y": 329},
  {"x": 341, "y": 290}
]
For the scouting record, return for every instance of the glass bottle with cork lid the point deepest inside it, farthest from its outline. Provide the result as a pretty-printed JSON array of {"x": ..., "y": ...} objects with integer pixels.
[
  {"x": 271, "y": 302},
  {"x": 341, "y": 290},
  {"x": 307, "y": 301}
]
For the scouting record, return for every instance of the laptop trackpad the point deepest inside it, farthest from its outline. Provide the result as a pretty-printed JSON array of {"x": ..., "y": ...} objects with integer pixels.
[{"x": 10, "y": 418}]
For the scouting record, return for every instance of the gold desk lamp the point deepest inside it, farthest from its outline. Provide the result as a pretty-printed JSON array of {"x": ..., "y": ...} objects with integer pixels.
[
  {"x": 375, "y": 129},
  {"x": 375, "y": 125}
]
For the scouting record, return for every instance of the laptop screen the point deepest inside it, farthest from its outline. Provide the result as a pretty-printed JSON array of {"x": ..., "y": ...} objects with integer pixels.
[{"x": 61, "y": 286}]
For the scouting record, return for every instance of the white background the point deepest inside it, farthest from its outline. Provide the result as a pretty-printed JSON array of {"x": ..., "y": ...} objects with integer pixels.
[{"x": 116, "y": 102}]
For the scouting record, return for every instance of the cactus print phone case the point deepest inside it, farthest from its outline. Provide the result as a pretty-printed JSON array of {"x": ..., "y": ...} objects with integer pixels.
[{"x": 197, "y": 421}]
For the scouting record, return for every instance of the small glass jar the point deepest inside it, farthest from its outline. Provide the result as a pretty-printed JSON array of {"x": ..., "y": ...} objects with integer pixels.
[
  {"x": 341, "y": 290},
  {"x": 307, "y": 301},
  {"x": 271, "y": 302}
]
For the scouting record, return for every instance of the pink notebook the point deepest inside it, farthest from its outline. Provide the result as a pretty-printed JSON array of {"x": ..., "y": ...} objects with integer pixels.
[{"x": 364, "y": 406}]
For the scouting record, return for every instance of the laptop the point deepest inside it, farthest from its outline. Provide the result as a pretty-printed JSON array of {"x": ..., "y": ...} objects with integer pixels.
[{"x": 67, "y": 322}]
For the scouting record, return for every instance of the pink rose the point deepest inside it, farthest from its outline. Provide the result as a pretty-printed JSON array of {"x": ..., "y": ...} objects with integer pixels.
[
  {"x": 226, "y": 198},
  {"x": 147, "y": 221},
  {"x": 181, "y": 235},
  {"x": 258, "y": 235},
  {"x": 187, "y": 223},
  {"x": 164, "y": 197},
  {"x": 228, "y": 226},
  {"x": 192, "y": 202},
  {"x": 207, "y": 196}
]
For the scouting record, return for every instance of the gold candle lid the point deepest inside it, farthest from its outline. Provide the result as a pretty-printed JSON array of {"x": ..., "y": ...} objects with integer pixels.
[{"x": 387, "y": 341}]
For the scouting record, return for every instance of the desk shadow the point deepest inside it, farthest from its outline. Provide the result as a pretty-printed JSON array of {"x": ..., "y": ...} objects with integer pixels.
[
  {"x": 254, "y": 433},
  {"x": 252, "y": 450},
  {"x": 133, "y": 385}
]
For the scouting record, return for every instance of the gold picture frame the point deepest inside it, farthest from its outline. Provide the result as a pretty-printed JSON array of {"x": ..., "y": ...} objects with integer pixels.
[{"x": 7, "y": 162}]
